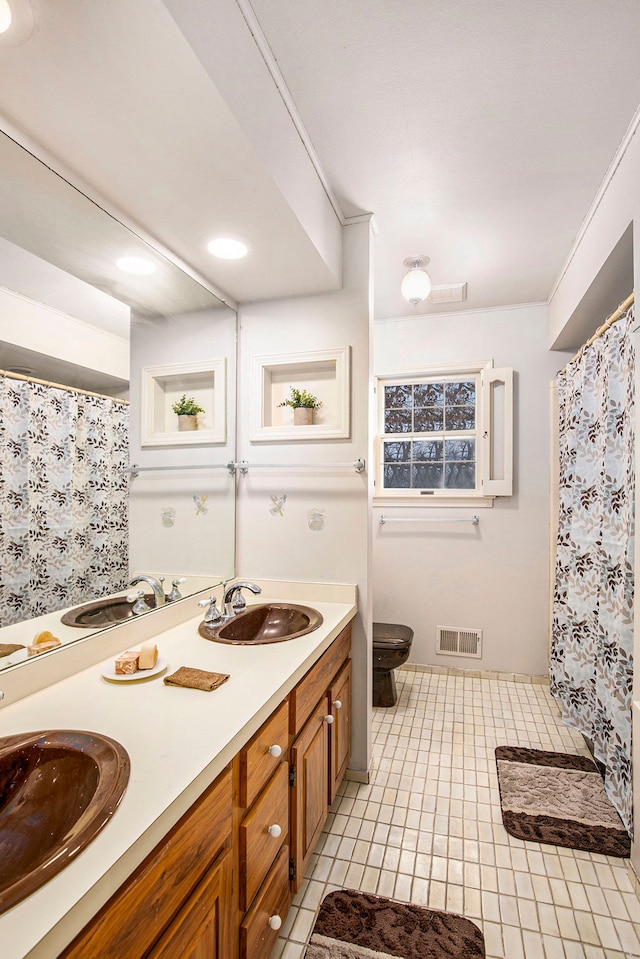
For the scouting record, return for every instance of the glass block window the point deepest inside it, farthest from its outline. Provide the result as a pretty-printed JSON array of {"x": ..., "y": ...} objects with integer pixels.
[
  {"x": 445, "y": 434},
  {"x": 428, "y": 434}
]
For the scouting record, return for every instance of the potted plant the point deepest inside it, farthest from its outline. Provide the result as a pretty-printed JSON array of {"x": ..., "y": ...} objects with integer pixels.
[
  {"x": 187, "y": 411},
  {"x": 303, "y": 405}
]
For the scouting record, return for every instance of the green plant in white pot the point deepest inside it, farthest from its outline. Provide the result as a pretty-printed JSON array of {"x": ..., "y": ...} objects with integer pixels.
[
  {"x": 187, "y": 412},
  {"x": 303, "y": 405}
]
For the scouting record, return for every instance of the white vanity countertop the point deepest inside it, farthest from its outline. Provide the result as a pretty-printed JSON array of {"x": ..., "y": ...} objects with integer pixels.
[{"x": 178, "y": 741}]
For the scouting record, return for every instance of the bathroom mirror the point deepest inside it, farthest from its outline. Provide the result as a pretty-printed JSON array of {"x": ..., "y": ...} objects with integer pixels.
[{"x": 70, "y": 316}]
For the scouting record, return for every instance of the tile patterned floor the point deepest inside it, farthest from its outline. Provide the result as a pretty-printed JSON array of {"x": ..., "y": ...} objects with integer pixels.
[{"x": 427, "y": 829}]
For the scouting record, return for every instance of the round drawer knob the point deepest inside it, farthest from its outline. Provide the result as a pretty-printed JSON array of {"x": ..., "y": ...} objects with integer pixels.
[
  {"x": 275, "y": 750},
  {"x": 274, "y": 830},
  {"x": 328, "y": 719},
  {"x": 337, "y": 704},
  {"x": 275, "y": 922}
]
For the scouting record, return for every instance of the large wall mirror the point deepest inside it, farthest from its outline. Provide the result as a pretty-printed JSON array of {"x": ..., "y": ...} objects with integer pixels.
[{"x": 73, "y": 323}]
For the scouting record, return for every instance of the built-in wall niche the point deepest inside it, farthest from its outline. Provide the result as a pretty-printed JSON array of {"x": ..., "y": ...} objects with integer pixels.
[
  {"x": 324, "y": 373},
  {"x": 162, "y": 386}
]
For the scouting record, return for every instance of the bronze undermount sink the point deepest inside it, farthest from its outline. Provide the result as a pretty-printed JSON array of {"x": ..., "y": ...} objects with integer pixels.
[
  {"x": 267, "y": 623},
  {"x": 103, "y": 612},
  {"x": 58, "y": 789}
]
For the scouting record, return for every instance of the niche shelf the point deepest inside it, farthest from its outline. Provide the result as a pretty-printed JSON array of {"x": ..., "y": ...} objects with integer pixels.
[
  {"x": 162, "y": 386},
  {"x": 324, "y": 373}
]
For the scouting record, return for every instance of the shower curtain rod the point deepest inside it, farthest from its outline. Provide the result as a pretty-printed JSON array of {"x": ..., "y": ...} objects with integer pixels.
[
  {"x": 60, "y": 386},
  {"x": 615, "y": 316}
]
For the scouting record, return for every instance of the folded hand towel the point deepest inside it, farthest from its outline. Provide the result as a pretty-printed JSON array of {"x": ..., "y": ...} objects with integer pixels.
[
  {"x": 7, "y": 648},
  {"x": 196, "y": 678}
]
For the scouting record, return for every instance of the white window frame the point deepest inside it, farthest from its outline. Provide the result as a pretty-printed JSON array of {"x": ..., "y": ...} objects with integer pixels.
[{"x": 488, "y": 485}]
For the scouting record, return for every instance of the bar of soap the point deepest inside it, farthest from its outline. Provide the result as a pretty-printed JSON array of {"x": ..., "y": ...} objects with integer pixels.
[
  {"x": 42, "y": 646},
  {"x": 148, "y": 655},
  {"x": 127, "y": 663}
]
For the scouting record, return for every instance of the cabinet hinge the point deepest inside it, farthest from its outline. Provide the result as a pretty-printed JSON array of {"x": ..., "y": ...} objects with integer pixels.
[
  {"x": 292, "y": 869},
  {"x": 292, "y": 775}
]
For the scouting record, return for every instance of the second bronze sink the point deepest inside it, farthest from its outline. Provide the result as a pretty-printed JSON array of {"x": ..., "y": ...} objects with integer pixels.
[
  {"x": 267, "y": 623},
  {"x": 58, "y": 789}
]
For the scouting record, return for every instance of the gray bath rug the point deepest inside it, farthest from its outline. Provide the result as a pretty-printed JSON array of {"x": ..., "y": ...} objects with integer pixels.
[
  {"x": 358, "y": 925},
  {"x": 558, "y": 799}
]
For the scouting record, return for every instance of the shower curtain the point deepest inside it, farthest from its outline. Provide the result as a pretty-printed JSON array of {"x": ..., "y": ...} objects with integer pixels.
[
  {"x": 63, "y": 498},
  {"x": 592, "y": 635}
]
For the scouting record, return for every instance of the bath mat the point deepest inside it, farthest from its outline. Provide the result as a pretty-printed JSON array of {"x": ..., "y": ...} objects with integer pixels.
[
  {"x": 357, "y": 925},
  {"x": 558, "y": 799}
]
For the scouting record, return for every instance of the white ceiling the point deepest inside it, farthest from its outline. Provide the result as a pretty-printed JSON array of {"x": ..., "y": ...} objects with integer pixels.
[{"x": 477, "y": 133}]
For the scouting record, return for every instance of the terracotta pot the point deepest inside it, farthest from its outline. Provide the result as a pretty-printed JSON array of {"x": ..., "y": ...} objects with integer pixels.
[
  {"x": 302, "y": 416},
  {"x": 187, "y": 423}
]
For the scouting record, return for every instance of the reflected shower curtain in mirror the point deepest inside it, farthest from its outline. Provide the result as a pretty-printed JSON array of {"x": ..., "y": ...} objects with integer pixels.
[
  {"x": 592, "y": 636},
  {"x": 63, "y": 498}
]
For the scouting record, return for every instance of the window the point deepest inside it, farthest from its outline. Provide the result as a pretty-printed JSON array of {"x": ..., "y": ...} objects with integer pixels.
[{"x": 439, "y": 434}]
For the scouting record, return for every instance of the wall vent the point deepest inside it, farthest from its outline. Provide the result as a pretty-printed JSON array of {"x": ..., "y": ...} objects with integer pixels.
[
  {"x": 453, "y": 293},
  {"x": 453, "y": 641}
]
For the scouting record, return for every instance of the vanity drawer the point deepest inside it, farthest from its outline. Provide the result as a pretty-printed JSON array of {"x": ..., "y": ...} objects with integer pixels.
[
  {"x": 257, "y": 764},
  {"x": 257, "y": 936},
  {"x": 258, "y": 848},
  {"x": 312, "y": 687}
]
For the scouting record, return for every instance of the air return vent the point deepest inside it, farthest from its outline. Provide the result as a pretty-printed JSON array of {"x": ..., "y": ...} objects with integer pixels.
[{"x": 453, "y": 641}]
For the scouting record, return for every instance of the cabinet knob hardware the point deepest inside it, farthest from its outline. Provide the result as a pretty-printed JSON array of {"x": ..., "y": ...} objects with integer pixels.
[
  {"x": 275, "y": 750},
  {"x": 337, "y": 704},
  {"x": 328, "y": 719},
  {"x": 275, "y": 922},
  {"x": 274, "y": 830}
]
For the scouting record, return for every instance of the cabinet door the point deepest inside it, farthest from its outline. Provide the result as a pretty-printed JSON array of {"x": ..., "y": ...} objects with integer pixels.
[
  {"x": 310, "y": 791},
  {"x": 201, "y": 928},
  {"x": 340, "y": 729}
]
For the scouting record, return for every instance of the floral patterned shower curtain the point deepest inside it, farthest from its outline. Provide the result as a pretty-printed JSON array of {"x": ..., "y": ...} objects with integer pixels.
[
  {"x": 63, "y": 498},
  {"x": 592, "y": 638}
]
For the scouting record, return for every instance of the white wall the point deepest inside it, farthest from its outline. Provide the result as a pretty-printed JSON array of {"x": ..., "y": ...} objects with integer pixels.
[
  {"x": 200, "y": 540},
  {"x": 34, "y": 326},
  {"x": 495, "y": 576},
  {"x": 285, "y": 547}
]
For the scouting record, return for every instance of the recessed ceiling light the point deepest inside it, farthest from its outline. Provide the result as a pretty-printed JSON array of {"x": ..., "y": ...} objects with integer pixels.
[
  {"x": 16, "y": 22},
  {"x": 228, "y": 247},
  {"x": 136, "y": 265},
  {"x": 5, "y": 16}
]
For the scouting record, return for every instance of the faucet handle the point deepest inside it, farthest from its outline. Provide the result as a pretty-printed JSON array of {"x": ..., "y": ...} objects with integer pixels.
[
  {"x": 175, "y": 592},
  {"x": 213, "y": 614},
  {"x": 139, "y": 602},
  {"x": 239, "y": 602}
]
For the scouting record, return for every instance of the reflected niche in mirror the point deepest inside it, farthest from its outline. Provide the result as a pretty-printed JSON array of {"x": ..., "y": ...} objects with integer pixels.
[{"x": 77, "y": 524}]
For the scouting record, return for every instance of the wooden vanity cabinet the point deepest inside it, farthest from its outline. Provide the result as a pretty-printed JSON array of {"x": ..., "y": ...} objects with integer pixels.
[
  {"x": 321, "y": 748},
  {"x": 181, "y": 889},
  {"x": 219, "y": 885}
]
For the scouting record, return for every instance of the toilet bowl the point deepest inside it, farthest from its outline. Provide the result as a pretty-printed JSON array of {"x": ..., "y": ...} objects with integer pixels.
[{"x": 391, "y": 647}]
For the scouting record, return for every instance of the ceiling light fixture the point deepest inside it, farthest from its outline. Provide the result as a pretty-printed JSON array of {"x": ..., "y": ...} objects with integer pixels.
[
  {"x": 136, "y": 265},
  {"x": 16, "y": 22},
  {"x": 416, "y": 285},
  {"x": 5, "y": 16},
  {"x": 228, "y": 247}
]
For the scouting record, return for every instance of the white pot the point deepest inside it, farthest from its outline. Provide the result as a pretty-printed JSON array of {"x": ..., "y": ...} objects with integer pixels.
[
  {"x": 187, "y": 423},
  {"x": 302, "y": 416}
]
